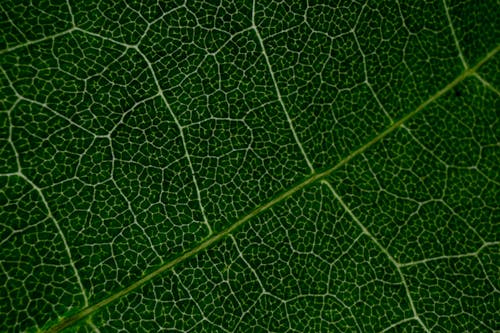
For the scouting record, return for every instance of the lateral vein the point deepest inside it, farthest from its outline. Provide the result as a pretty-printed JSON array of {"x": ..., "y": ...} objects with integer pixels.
[{"x": 278, "y": 93}]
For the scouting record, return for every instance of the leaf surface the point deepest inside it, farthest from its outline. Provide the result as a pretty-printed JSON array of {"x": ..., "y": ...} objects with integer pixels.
[{"x": 241, "y": 166}]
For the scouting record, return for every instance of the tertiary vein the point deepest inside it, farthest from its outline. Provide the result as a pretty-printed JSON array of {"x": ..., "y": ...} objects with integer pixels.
[{"x": 317, "y": 176}]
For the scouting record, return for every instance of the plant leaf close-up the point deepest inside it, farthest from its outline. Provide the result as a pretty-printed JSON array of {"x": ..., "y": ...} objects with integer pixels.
[{"x": 249, "y": 166}]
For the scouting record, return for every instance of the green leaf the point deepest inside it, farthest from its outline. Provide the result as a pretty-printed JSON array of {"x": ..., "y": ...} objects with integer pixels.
[{"x": 273, "y": 166}]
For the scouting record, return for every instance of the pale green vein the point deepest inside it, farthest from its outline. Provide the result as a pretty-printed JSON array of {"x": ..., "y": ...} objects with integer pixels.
[
  {"x": 181, "y": 133},
  {"x": 455, "y": 39},
  {"x": 383, "y": 249},
  {"x": 66, "y": 322},
  {"x": 487, "y": 84},
  {"x": 36, "y": 41},
  {"x": 277, "y": 90}
]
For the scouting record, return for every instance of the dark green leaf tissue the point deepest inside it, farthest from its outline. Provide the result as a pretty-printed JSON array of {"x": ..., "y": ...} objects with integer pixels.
[{"x": 238, "y": 166}]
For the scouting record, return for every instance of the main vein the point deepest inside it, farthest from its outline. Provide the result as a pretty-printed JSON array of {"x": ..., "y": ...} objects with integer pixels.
[{"x": 68, "y": 321}]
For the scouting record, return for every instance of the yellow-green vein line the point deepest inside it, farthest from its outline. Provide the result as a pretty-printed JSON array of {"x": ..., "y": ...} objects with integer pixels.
[{"x": 66, "y": 322}]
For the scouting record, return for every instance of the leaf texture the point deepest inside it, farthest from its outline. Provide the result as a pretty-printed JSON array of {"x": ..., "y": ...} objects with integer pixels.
[{"x": 265, "y": 166}]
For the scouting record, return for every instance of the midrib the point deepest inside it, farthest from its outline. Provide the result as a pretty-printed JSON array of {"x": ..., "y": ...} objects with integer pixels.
[{"x": 65, "y": 322}]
